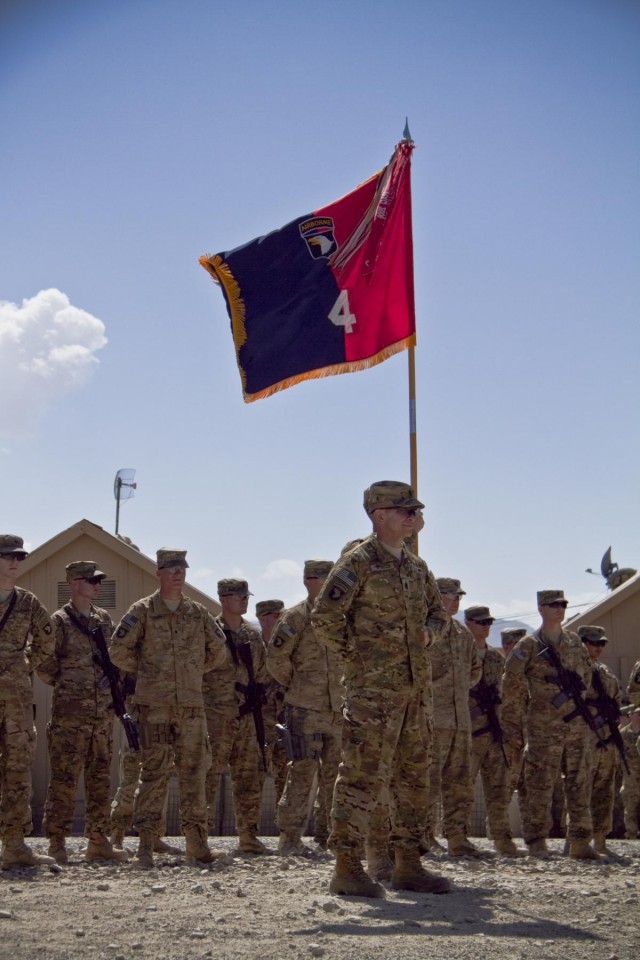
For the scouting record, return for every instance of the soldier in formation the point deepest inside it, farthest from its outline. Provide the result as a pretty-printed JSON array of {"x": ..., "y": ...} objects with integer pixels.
[
  {"x": 26, "y": 640},
  {"x": 267, "y": 613},
  {"x": 167, "y": 642},
  {"x": 488, "y": 755},
  {"x": 543, "y": 681},
  {"x": 630, "y": 792},
  {"x": 234, "y": 694},
  {"x": 80, "y": 733},
  {"x": 373, "y": 610},
  {"x": 456, "y": 667},
  {"x": 310, "y": 674},
  {"x": 604, "y": 698}
]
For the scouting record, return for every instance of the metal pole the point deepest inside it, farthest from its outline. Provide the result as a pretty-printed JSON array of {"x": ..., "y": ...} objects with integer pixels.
[
  {"x": 413, "y": 437},
  {"x": 118, "y": 488}
]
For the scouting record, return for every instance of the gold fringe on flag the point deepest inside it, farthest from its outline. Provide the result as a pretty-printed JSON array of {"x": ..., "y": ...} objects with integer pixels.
[
  {"x": 221, "y": 274},
  {"x": 336, "y": 368}
]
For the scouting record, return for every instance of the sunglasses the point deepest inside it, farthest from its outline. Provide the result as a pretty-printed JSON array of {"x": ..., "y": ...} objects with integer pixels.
[
  {"x": 484, "y": 623},
  {"x": 597, "y": 643},
  {"x": 556, "y": 604}
]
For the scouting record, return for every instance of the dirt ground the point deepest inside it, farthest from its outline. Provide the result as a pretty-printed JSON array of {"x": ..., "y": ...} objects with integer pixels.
[{"x": 281, "y": 909}]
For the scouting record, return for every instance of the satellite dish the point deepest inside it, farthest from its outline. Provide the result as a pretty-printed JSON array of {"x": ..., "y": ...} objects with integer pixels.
[
  {"x": 606, "y": 567},
  {"x": 123, "y": 489}
]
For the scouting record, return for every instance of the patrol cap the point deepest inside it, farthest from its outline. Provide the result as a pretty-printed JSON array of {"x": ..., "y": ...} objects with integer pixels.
[
  {"x": 591, "y": 632},
  {"x": 317, "y": 568},
  {"x": 263, "y": 607},
  {"x": 478, "y": 612},
  {"x": 170, "y": 557},
  {"x": 386, "y": 494},
  {"x": 233, "y": 588},
  {"x": 12, "y": 546},
  {"x": 512, "y": 634},
  {"x": 550, "y": 596},
  {"x": 450, "y": 585},
  {"x": 85, "y": 569}
]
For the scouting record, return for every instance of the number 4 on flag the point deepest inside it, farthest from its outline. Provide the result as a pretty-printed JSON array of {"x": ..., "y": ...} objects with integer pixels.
[{"x": 340, "y": 314}]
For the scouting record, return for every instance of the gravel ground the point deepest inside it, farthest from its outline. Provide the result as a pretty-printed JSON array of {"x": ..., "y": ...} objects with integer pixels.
[{"x": 275, "y": 908}]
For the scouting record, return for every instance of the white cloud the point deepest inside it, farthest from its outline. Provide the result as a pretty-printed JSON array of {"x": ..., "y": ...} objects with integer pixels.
[
  {"x": 47, "y": 349},
  {"x": 282, "y": 570}
]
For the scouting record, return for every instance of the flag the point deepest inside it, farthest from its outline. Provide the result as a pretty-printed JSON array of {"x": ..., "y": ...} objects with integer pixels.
[{"x": 331, "y": 292}]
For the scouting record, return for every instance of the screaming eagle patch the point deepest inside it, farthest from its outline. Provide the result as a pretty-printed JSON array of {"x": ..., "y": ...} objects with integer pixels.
[{"x": 317, "y": 232}]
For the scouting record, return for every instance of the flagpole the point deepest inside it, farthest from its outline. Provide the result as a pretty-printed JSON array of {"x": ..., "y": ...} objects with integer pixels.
[{"x": 411, "y": 357}]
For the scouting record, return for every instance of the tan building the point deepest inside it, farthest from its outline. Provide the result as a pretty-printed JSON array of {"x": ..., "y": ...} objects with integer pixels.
[
  {"x": 130, "y": 575},
  {"x": 619, "y": 615}
]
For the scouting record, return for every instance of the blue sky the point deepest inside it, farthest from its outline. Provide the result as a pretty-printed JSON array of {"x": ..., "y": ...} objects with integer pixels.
[{"x": 138, "y": 135}]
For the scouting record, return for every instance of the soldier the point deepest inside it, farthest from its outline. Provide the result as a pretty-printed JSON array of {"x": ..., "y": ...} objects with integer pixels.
[
  {"x": 630, "y": 792},
  {"x": 167, "y": 642},
  {"x": 456, "y": 668},
  {"x": 267, "y": 612},
  {"x": 509, "y": 637},
  {"x": 233, "y": 697},
  {"x": 633, "y": 687},
  {"x": 26, "y": 639},
  {"x": 373, "y": 609},
  {"x": 311, "y": 676},
  {"x": 542, "y": 680},
  {"x": 80, "y": 732},
  {"x": 488, "y": 754},
  {"x": 604, "y": 697}
]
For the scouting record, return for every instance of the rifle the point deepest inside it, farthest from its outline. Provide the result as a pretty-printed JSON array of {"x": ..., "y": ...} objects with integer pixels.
[
  {"x": 608, "y": 712},
  {"x": 571, "y": 686},
  {"x": 254, "y": 698},
  {"x": 113, "y": 676},
  {"x": 487, "y": 697}
]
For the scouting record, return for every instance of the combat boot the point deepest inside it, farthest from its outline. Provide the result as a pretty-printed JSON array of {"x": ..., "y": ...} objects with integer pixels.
[
  {"x": 290, "y": 844},
  {"x": 462, "y": 847},
  {"x": 409, "y": 874},
  {"x": 582, "y": 850},
  {"x": 429, "y": 844},
  {"x": 117, "y": 838},
  {"x": 600, "y": 846},
  {"x": 539, "y": 849},
  {"x": 350, "y": 880},
  {"x": 249, "y": 843},
  {"x": 144, "y": 854},
  {"x": 197, "y": 846},
  {"x": 506, "y": 847},
  {"x": 57, "y": 849},
  {"x": 379, "y": 863},
  {"x": 16, "y": 853},
  {"x": 99, "y": 848},
  {"x": 161, "y": 846}
]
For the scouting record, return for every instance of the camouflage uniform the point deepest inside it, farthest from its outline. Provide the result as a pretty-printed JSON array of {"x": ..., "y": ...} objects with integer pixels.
[
  {"x": 633, "y": 687},
  {"x": 273, "y": 711},
  {"x": 26, "y": 641},
  {"x": 455, "y": 667},
  {"x": 373, "y": 610},
  {"x": 604, "y": 760},
  {"x": 311, "y": 675},
  {"x": 231, "y": 728},
  {"x": 553, "y": 746},
  {"x": 168, "y": 652},
  {"x": 80, "y": 732},
  {"x": 516, "y": 757},
  {"x": 487, "y": 755},
  {"x": 630, "y": 791}
]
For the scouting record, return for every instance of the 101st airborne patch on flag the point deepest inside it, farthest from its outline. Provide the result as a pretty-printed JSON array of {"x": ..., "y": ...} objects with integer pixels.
[{"x": 331, "y": 292}]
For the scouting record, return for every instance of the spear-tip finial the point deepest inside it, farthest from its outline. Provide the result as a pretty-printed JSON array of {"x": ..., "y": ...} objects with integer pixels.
[{"x": 406, "y": 134}]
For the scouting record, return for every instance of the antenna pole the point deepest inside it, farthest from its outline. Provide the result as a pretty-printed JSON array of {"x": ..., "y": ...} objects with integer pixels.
[{"x": 118, "y": 489}]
